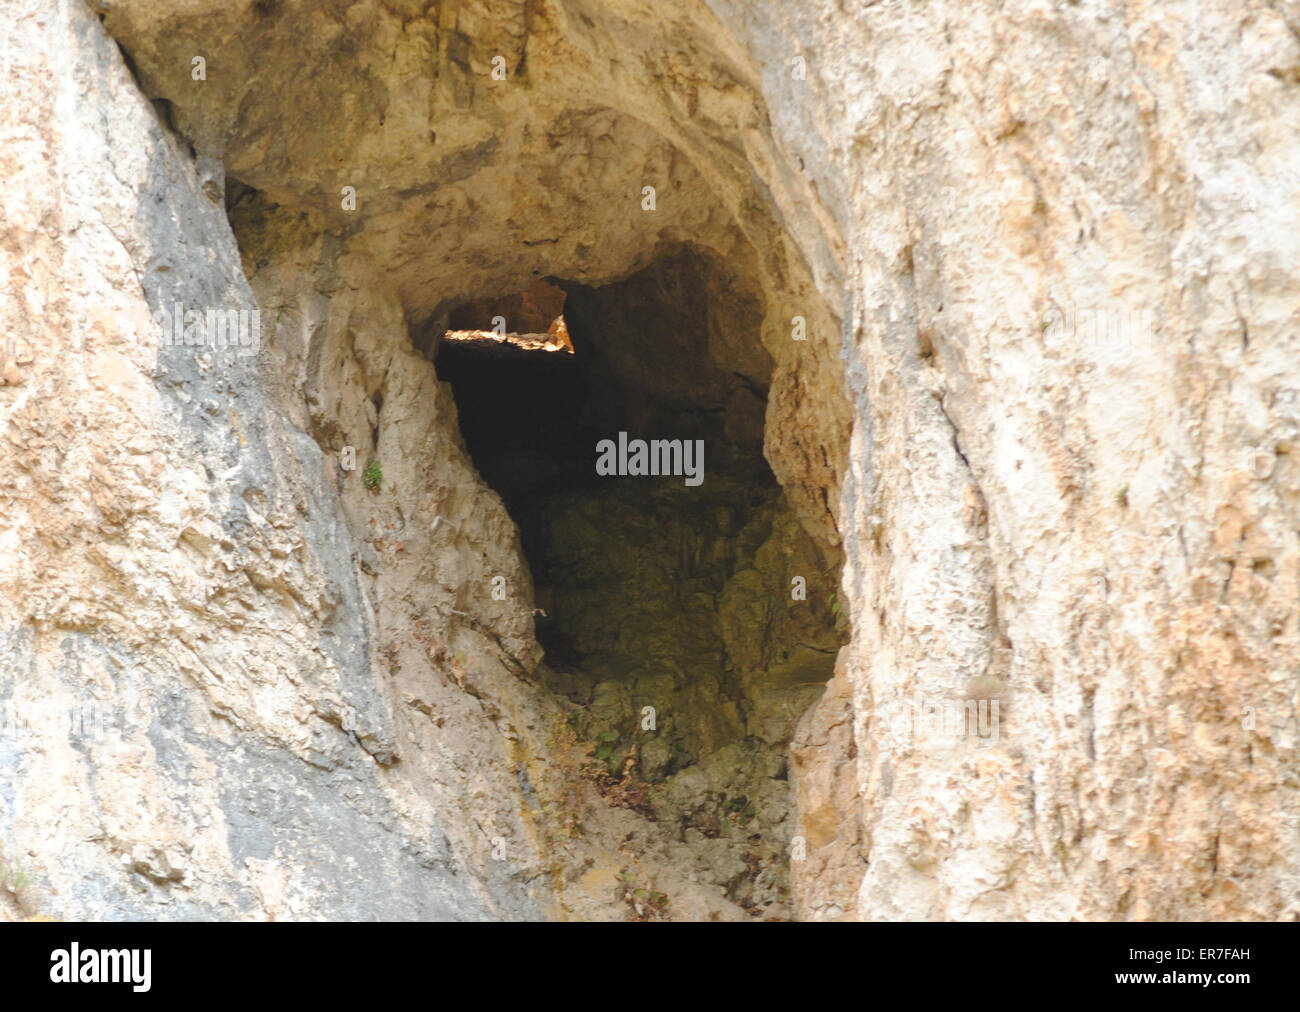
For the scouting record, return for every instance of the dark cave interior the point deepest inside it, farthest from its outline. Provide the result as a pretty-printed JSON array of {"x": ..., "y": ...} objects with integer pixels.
[{"x": 651, "y": 591}]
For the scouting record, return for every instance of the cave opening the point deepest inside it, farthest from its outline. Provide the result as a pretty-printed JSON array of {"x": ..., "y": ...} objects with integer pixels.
[{"x": 652, "y": 591}]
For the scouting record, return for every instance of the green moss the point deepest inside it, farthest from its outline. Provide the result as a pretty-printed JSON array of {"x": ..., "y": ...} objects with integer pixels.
[
  {"x": 373, "y": 477},
  {"x": 19, "y": 882}
]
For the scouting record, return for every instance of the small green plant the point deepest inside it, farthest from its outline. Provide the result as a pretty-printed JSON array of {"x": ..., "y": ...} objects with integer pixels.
[
  {"x": 739, "y": 813},
  {"x": 657, "y": 900},
  {"x": 835, "y": 606},
  {"x": 647, "y": 904},
  {"x": 742, "y": 807},
  {"x": 280, "y": 308},
  {"x": 373, "y": 477},
  {"x": 1121, "y": 497},
  {"x": 14, "y": 878},
  {"x": 606, "y": 748},
  {"x": 17, "y": 880}
]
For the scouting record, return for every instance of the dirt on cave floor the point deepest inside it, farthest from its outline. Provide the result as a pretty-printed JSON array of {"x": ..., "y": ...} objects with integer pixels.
[{"x": 683, "y": 664}]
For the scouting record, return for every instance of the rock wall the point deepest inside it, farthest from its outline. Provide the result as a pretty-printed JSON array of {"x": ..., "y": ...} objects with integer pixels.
[
  {"x": 1047, "y": 409},
  {"x": 196, "y": 725},
  {"x": 1071, "y": 342}
]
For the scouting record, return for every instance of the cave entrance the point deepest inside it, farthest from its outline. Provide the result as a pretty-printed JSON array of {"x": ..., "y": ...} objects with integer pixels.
[{"x": 652, "y": 590}]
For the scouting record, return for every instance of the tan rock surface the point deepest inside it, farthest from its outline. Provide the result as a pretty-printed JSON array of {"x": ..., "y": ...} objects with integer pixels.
[{"x": 1048, "y": 411}]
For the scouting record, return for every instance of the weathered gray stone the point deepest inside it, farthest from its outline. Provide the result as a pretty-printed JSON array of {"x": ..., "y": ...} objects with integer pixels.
[{"x": 1046, "y": 412}]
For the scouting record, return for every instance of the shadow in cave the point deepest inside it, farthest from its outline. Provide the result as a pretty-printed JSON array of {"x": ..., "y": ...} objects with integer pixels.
[
  {"x": 531, "y": 421},
  {"x": 657, "y": 593},
  {"x": 524, "y": 422},
  {"x": 653, "y": 591}
]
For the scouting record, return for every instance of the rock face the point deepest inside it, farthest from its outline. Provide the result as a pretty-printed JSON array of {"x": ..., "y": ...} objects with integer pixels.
[
  {"x": 1071, "y": 344},
  {"x": 195, "y": 725},
  {"x": 1015, "y": 284}
]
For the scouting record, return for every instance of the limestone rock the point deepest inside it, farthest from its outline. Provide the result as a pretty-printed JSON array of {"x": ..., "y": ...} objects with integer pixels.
[{"x": 1008, "y": 290}]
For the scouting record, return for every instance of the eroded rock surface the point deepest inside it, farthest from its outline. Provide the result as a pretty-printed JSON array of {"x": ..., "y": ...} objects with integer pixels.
[
  {"x": 194, "y": 723},
  {"x": 1046, "y": 412}
]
